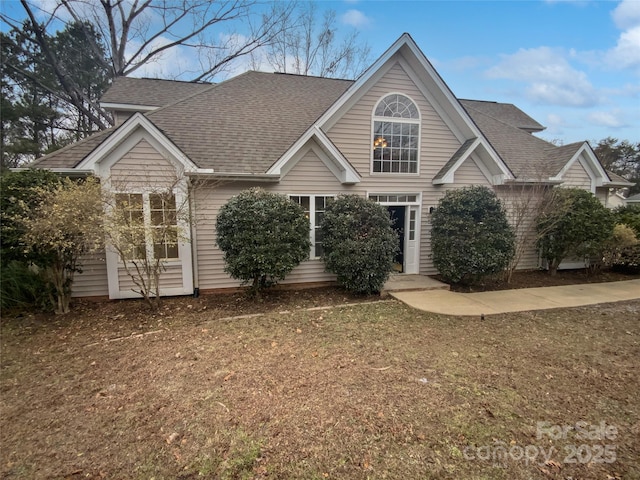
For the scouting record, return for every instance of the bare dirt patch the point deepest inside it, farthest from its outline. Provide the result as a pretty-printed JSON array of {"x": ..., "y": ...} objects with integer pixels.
[{"x": 367, "y": 391}]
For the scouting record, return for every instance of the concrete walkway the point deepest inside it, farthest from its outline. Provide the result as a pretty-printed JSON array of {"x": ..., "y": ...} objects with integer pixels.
[{"x": 476, "y": 304}]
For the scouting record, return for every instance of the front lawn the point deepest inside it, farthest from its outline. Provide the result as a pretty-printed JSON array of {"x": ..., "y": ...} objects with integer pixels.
[{"x": 375, "y": 390}]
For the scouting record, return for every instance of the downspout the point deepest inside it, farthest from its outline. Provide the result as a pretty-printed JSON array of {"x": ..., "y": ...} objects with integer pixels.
[{"x": 194, "y": 240}]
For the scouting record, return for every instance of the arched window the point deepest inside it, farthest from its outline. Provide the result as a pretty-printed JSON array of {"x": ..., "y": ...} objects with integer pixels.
[{"x": 396, "y": 130}]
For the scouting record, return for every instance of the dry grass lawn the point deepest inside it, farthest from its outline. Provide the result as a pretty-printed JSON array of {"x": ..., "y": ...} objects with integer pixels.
[{"x": 375, "y": 390}]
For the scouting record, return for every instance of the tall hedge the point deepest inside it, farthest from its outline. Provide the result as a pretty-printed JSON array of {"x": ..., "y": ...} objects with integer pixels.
[
  {"x": 263, "y": 237},
  {"x": 580, "y": 230},
  {"x": 359, "y": 242},
  {"x": 470, "y": 235}
]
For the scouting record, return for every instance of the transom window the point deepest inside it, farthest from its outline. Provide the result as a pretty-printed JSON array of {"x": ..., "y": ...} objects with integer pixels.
[
  {"x": 150, "y": 225},
  {"x": 314, "y": 207},
  {"x": 396, "y": 130}
]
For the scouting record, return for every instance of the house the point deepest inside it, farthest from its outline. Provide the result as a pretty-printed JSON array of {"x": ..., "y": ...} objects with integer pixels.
[
  {"x": 633, "y": 200},
  {"x": 397, "y": 135}
]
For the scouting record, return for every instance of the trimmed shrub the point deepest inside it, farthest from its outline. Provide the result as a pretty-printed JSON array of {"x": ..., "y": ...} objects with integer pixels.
[
  {"x": 360, "y": 243},
  {"x": 470, "y": 235},
  {"x": 629, "y": 215},
  {"x": 263, "y": 237},
  {"x": 629, "y": 261},
  {"x": 580, "y": 230}
]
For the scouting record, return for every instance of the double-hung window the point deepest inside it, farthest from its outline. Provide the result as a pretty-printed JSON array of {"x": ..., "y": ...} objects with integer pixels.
[
  {"x": 396, "y": 133},
  {"x": 148, "y": 226},
  {"x": 314, "y": 207}
]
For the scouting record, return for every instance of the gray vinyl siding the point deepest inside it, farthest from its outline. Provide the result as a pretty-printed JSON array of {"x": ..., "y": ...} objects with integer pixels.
[
  {"x": 520, "y": 196},
  {"x": 92, "y": 281},
  {"x": 577, "y": 176},
  {"x": 171, "y": 277},
  {"x": 142, "y": 167}
]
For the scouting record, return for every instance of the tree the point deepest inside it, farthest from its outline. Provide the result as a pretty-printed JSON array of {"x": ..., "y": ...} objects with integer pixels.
[
  {"x": 145, "y": 242},
  {"x": 310, "y": 44},
  {"x": 38, "y": 113},
  {"x": 526, "y": 202},
  {"x": 579, "y": 230},
  {"x": 622, "y": 158},
  {"x": 263, "y": 236},
  {"x": 20, "y": 194},
  {"x": 67, "y": 222},
  {"x": 139, "y": 32},
  {"x": 359, "y": 242},
  {"x": 470, "y": 235}
]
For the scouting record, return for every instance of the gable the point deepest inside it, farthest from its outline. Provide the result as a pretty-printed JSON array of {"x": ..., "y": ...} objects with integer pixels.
[
  {"x": 310, "y": 173},
  {"x": 142, "y": 167},
  {"x": 577, "y": 176},
  {"x": 469, "y": 173},
  {"x": 405, "y": 70},
  {"x": 352, "y": 132}
]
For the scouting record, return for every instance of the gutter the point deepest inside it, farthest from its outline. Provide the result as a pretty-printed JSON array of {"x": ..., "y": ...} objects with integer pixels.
[
  {"x": 526, "y": 181},
  {"x": 69, "y": 172},
  {"x": 245, "y": 177}
]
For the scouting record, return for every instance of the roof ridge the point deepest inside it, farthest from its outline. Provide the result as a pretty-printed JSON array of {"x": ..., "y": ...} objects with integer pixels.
[{"x": 193, "y": 82}]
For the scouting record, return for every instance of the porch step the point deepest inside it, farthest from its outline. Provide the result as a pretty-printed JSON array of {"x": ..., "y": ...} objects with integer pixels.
[{"x": 405, "y": 283}]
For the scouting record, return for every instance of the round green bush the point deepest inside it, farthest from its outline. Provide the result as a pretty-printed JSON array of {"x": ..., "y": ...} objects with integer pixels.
[
  {"x": 360, "y": 243},
  {"x": 263, "y": 237},
  {"x": 470, "y": 235}
]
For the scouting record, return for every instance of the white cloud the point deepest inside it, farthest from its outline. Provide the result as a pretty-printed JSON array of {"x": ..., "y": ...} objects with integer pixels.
[
  {"x": 626, "y": 54},
  {"x": 549, "y": 77},
  {"x": 356, "y": 19},
  {"x": 612, "y": 119},
  {"x": 170, "y": 63},
  {"x": 627, "y": 14}
]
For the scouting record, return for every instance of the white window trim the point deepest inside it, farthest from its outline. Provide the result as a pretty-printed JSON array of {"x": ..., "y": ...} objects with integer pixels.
[
  {"x": 411, "y": 121},
  {"x": 146, "y": 215},
  {"x": 312, "y": 213},
  {"x": 418, "y": 196}
]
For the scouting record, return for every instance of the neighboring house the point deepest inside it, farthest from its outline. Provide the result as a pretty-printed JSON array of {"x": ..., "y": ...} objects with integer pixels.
[
  {"x": 397, "y": 135},
  {"x": 633, "y": 199}
]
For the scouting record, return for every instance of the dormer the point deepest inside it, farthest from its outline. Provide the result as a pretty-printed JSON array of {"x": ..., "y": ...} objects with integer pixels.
[{"x": 127, "y": 96}]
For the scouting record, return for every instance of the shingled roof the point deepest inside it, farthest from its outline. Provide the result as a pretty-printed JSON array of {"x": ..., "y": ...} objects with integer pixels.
[
  {"x": 506, "y": 112},
  {"x": 150, "y": 92},
  {"x": 72, "y": 155},
  {"x": 526, "y": 155},
  {"x": 247, "y": 123}
]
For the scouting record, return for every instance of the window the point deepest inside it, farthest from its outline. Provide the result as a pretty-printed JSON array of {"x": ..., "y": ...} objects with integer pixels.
[
  {"x": 149, "y": 225},
  {"x": 396, "y": 130},
  {"x": 393, "y": 198},
  {"x": 164, "y": 224},
  {"x": 314, "y": 207},
  {"x": 130, "y": 207}
]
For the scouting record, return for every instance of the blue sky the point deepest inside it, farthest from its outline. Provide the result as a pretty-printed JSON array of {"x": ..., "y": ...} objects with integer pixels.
[{"x": 572, "y": 65}]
